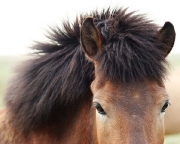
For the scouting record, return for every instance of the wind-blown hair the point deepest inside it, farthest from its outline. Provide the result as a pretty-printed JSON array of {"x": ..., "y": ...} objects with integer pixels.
[
  {"x": 60, "y": 75},
  {"x": 131, "y": 51}
]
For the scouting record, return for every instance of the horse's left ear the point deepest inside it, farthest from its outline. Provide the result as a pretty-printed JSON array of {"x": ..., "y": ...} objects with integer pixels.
[
  {"x": 167, "y": 36},
  {"x": 91, "y": 38}
]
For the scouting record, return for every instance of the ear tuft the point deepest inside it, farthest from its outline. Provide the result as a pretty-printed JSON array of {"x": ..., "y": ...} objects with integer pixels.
[{"x": 91, "y": 38}]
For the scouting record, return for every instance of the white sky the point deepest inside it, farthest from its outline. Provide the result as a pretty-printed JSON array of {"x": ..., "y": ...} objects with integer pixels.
[{"x": 22, "y": 21}]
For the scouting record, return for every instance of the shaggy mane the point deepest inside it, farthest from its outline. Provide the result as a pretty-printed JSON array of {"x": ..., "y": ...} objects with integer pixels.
[{"x": 61, "y": 75}]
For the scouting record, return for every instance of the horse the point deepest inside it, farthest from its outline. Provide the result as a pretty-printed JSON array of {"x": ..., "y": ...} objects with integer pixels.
[{"x": 98, "y": 80}]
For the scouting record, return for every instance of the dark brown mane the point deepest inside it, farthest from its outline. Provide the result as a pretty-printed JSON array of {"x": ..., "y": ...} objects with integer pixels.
[
  {"x": 131, "y": 51},
  {"x": 61, "y": 75}
]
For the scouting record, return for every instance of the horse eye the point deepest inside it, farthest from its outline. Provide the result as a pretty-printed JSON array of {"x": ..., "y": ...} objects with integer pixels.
[
  {"x": 165, "y": 106},
  {"x": 99, "y": 108}
]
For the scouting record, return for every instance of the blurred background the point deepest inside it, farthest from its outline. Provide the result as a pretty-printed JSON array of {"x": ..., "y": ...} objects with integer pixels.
[{"x": 22, "y": 22}]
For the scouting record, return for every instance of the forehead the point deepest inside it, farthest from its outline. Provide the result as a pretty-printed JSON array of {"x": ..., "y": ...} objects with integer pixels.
[{"x": 145, "y": 92}]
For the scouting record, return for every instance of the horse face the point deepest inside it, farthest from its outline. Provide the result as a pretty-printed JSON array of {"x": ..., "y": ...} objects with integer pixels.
[
  {"x": 128, "y": 111},
  {"x": 129, "y": 114}
]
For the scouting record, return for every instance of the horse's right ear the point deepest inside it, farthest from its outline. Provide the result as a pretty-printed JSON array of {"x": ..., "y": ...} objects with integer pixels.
[{"x": 91, "y": 38}]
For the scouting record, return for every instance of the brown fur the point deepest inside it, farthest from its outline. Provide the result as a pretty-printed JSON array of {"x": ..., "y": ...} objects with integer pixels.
[
  {"x": 57, "y": 133},
  {"x": 132, "y": 112},
  {"x": 49, "y": 100}
]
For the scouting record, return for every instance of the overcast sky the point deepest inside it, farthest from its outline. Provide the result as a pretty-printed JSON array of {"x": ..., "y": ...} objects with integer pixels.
[{"x": 22, "y": 21}]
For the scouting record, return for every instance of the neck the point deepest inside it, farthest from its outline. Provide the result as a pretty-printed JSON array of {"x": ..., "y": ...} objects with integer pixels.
[{"x": 76, "y": 125}]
